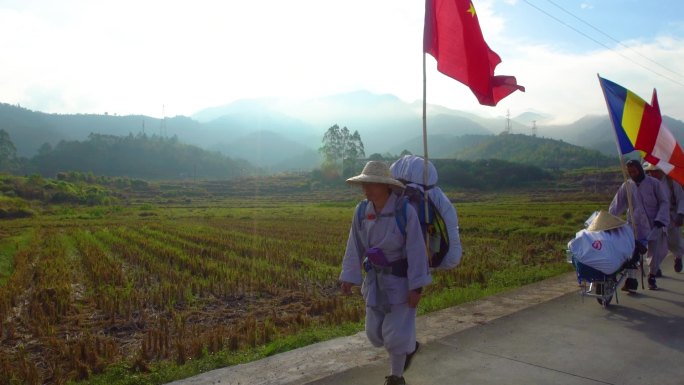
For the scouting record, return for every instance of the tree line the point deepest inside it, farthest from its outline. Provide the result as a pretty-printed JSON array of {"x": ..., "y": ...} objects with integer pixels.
[{"x": 136, "y": 156}]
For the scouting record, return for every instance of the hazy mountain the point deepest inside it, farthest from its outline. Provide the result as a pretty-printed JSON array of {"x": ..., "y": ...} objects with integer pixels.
[
  {"x": 304, "y": 161},
  {"x": 270, "y": 149},
  {"x": 281, "y": 134},
  {"x": 440, "y": 146},
  {"x": 541, "y": 152},
  {"x": 384, "y": 121},
  {"x": 528, "y": 117},
  {"x": 244, "y": 117},
  {"x": 597, "y": 133}
]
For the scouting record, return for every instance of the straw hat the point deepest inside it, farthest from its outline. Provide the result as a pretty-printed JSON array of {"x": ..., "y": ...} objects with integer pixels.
[
  {"x": 605, "y": 221},
  {"x": 650, "y": 167},
  {"x": 375, "y": 171}
]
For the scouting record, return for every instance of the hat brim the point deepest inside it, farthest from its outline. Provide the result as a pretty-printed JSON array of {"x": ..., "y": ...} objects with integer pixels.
[
  {"x": 605, "y": 221},
  {"x": 359, "y": 179}
]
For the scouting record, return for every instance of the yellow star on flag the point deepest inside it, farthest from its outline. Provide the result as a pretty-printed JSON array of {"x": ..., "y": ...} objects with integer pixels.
[{"x": 471, "y": 10}]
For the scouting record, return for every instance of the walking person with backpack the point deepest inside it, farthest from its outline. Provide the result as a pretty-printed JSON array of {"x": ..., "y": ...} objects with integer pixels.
[
  {"x": 674, "y": 231},
  {"x": 392, "y": 255}
]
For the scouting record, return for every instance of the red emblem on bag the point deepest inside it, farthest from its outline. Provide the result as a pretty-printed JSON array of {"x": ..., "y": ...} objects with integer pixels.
[
  {"x": 371, "y": 217},
  {"x": 597, "y": 245}
]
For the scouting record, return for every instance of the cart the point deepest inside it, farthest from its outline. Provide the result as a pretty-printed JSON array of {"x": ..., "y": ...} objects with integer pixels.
[{"x": 597, "y": 284}]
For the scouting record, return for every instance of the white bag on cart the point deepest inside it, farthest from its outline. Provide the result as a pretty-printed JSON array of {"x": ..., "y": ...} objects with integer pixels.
[{"x": 605, "y": 245}]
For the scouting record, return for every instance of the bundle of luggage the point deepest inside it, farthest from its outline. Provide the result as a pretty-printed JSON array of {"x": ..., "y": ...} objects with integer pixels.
[{"x": 605, "y": 254}]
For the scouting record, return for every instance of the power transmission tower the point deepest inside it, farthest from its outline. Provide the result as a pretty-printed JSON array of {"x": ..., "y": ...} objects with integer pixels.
[
  {"x": 534, "y": 128},
  {"x": 507, "y": 130},
  {"x": 162, "y": 124}
]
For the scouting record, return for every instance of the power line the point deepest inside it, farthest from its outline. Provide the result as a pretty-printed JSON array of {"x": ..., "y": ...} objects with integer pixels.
[
  {"x": 601, "y": 44},
  {"x": 613, "y": 39}
]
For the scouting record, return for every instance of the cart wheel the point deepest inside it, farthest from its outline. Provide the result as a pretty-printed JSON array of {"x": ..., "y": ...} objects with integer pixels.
[{"x": 607, "y": 302}]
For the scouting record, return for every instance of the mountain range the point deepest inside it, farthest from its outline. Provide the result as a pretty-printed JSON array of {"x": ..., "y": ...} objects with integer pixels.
[{"x": 278, "y": 134}]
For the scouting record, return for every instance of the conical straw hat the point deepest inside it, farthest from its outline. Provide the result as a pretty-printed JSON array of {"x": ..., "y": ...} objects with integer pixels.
[
  {"x": 376, "y": 171},
  {"x": 605, "y": 221}
]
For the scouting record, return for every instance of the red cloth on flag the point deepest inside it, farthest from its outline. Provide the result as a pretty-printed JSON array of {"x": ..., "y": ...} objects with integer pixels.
[
  {"x": 666, "y": 153},
  {"x": 453, "y": 36}
]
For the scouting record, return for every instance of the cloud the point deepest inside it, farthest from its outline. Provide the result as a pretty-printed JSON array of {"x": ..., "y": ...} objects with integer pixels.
[
  {"x": 566, "y": 86},
  {"x": 130, "y": 57}
]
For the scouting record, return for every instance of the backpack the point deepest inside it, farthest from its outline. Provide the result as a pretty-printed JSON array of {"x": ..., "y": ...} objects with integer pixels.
[
  {"x": 434, "y": 227},
  {"x": 410, "y": 170}
]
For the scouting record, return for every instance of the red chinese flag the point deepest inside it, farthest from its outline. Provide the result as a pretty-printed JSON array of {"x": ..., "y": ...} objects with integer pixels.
[{"x": 453, "y": 36}]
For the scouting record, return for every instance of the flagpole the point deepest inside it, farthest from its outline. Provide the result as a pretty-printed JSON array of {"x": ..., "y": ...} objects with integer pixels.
[
  {"x": 628, "y": 186},
  {"x": 425, "y": 158},
  {"x": 425, "y": 146}
]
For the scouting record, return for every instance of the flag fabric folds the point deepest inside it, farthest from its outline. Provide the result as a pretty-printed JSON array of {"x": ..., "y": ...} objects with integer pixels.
[
  {"x": 639, "y": 126},
  {"x": 452, "y": 35}
]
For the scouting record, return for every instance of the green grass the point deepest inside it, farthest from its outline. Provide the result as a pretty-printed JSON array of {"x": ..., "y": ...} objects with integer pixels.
[
  {"x": 8, "y": 247},
  {"x": 499, "y": 281}
]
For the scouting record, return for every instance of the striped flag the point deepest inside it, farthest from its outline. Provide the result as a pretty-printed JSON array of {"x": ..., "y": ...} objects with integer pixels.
[{"x": 639, "y": 126}]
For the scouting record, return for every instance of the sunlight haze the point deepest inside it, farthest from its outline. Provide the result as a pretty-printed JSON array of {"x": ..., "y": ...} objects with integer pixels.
[{"x": 175, "y": 58}]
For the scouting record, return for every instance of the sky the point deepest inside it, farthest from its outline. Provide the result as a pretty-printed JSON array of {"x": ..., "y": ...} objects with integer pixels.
[{"x": 169, "y": 58}]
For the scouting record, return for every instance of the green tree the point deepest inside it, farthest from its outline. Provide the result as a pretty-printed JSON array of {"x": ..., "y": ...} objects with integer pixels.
[
  {"x": 45, "y": 149},
  {"x": 8, "y": 153},
  {"x": 342, "y": 148},
  {"x": 135, "y": 157},
  {"x": 331, "y": 149}
]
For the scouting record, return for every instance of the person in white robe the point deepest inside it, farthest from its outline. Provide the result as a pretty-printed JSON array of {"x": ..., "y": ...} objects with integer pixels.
[
  {"x": 674, "y": 230},
  {"x": 651, "y": 213},
  {"x": 395, "y": 265}
]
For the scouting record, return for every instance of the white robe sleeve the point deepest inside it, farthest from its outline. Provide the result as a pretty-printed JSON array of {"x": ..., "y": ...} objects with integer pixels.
[{"x": 351, "y": 263}]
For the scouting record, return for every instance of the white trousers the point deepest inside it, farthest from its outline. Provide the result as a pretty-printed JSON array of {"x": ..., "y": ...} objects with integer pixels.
[
  {"x": 657, "y": 250},
  {"x": 395, "y": 331}
]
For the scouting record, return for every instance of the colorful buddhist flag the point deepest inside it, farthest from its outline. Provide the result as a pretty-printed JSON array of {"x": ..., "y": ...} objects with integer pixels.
[
  {"x": 452, "y": 35},
  {"x": 639, "y": 126}
]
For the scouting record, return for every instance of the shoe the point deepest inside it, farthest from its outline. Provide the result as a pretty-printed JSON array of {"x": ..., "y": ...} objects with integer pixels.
[
  {"x": 394, "y": 380},
  {"x": 659, "y": 274},
  {"x": 631, "y": 284},
  {"x": 410, "y": 356},
  {"x": 678, "y": 265},
  {"x": 652, "y": 283}
]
